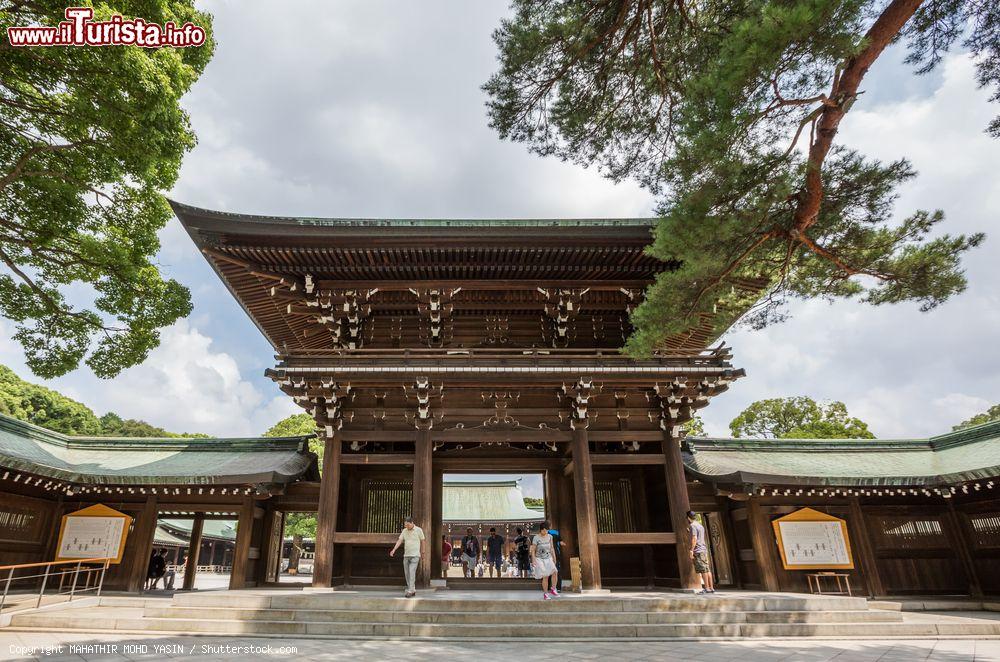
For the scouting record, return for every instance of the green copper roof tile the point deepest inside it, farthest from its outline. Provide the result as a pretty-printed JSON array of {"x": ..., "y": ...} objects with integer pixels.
[
  {"x": 947, "y": 459},
  {"x": 144, "y": 461}
]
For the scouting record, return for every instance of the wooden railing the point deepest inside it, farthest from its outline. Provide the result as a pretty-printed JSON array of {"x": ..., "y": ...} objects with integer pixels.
[{"x": 93, "y": 572}]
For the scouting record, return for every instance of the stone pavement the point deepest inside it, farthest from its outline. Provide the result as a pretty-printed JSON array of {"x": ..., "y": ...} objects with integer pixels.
[{"x": 30, "y": 646}]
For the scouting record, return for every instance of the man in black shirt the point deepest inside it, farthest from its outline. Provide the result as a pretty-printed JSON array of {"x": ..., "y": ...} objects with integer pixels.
[
  {"x": 470, "y": 553},
  {"x": 494, "y": 552},
  {"x": 522, "y": 549}
]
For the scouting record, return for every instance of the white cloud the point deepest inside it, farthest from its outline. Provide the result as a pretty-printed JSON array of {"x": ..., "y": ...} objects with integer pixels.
[{"x": 184, "y": 386}]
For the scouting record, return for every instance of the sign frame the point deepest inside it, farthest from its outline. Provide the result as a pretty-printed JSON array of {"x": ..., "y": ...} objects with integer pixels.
[
  {"x": 97, "y": 510},
  {"x": 810, "y": 515}
]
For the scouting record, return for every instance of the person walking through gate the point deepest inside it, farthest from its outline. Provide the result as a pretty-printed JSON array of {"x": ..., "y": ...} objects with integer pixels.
[
  {"x": 445, "y": 556},
  {"x": 412, "y": 539},
  {"x": 470, "y": 553},
  {"x": 699, "y": 552},
  {"x": 543, "y": 561},
  {"x": 494, "y": 551},
  {"x": 522, "y": 549}
]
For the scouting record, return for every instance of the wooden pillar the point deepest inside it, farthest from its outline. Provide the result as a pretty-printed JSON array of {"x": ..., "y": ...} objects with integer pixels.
[
  {"x": 241, "y": 551},
  {"x": 863, "y": 548},
  {"x": 211, "y": 553},
  {"x": 761, "y": 535},
  {"x": 565, "y": 512},
  {"x": 437, "y": 528},
  {"x": 679, "y": 504},
  {"x": 586, "y": 510},
  {"x": 422, "y": 498},
  {"x": 143, "y": 531},
  {"x": 194, "y": 550},
  {"x": 961, "y": 542},
  {"x": 326, "y": 517},
  {"x": 638, "y": 479}
]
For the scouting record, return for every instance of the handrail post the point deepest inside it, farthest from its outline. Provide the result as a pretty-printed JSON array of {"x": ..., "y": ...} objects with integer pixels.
[
  {"x": 76, "y": 576},
  {"x": 104, "y": 569},
  {"x": 45, "y": 580},
  {"x": 6, "y": 588}
]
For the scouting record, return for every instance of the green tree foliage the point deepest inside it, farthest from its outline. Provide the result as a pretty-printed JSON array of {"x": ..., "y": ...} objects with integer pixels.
[
  {"x": 798, "y": 418},
  {"x": 53, "y": 410},
  {"x": 728, "y": 110},
  {"x": 695, "y": 427},
  {"x": 991, "y": 414},
  {"x": 297, "y": 425},
  {"x": 89, "y": 136},
  {"x": 534, "y": 501}
]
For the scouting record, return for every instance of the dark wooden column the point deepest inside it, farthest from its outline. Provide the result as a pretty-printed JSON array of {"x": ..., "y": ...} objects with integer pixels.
[
  {"x": 863, "y": 548},
  {"x": 326, "y": 517},
  {"x": 143, "y": 531},
  {"x": 638, "y": 479},
  {"x": 194, "y": 549},
  {"x": 761, "y": 535},
  {"x": 241, "y": 550},
  {"x": 586, "y": 510},
  {"x": 437, "y": 528},
  {"x": 422, "y": 498},
  {"x": 961, "y": 542},
  {"x": 679, "y": 504}
]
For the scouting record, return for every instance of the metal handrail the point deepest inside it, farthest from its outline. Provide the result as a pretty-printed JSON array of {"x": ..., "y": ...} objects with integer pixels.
[{"x": 75, "y": 571}]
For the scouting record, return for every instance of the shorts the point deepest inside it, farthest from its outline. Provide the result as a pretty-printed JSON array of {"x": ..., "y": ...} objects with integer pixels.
[
  {"x": 495, "y": 560},
  {"x": 701, "y": 563},
  {"x": 468, "y": 560}
]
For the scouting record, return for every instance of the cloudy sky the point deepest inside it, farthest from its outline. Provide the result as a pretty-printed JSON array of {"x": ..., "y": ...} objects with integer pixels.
[{"x": 374, "y": 109}]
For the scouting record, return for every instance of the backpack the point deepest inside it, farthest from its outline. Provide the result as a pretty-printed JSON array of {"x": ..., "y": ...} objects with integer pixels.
[{"x": 522, "y": 544}]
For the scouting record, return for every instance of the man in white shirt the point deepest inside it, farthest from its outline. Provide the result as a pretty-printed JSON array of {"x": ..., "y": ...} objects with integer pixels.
[{"x": 412, "y": 539}]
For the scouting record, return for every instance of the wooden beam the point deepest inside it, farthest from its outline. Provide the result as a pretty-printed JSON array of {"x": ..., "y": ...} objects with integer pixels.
[
  {"x": 422, "y": 498},
  {"x": 761, "y": 536},
  {"x": 194, "y": 549},
  {"x": 586, "y": 511},
  {"x": 679, "y": 505},
  {"x": 241, "y": 550},
  {"x": 493, "y": 464},
  {"x": 961, "y": 546},
  {"x": 142, "y": 537},
  {"x": 462, "y": 435},
  {"x": 466, "y": 284},
  {"x": 863, "y": 547},
  {"x": 375, "y": 458},
  {"x": 627, "y": 459},
  {"x": 636, "y": 538},
  {"x": 437, "y": 517},
  {"x": 326, "y": 517},
  {"x": 351, "y": 538}
]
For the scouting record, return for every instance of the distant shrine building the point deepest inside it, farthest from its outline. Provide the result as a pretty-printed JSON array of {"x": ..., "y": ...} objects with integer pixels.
[{"x": 437, "y": 347}]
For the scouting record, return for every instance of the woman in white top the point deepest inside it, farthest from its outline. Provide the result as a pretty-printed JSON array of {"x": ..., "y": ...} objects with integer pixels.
[{"x": 543, "y": 561}]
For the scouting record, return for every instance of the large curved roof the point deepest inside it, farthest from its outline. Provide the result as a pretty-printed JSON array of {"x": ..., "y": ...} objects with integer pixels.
[
  {"x": 947, "y": 459},
  {"x": 146, "y": 461}
]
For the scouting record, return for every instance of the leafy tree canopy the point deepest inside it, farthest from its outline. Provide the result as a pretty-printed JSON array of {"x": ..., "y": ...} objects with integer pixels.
[
  {"x": 297, "y": 425},
  {"x": 533, "y": 501},
  {"x": 88, "y": 138},
  {"x": 991, "y": 414},
  {"x": 798, "y": 418},
  {"x": 728, "y": 110},
  {"x": 53, "y": 410},
  {"x": 300, "y": 524},
  {"x": 695, "y": 427}
]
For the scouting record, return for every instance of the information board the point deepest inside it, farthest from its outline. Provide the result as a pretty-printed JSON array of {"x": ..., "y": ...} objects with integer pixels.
[
  {"x": 97, "y": 532},
  {"x": 811, "y": 540}
]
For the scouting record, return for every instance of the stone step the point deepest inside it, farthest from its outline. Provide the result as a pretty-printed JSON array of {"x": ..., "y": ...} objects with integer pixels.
[
  {"x": 528, "y": 604},
  {"x": 546, "y": 631},
  {"x": 499, "y": 618}
]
